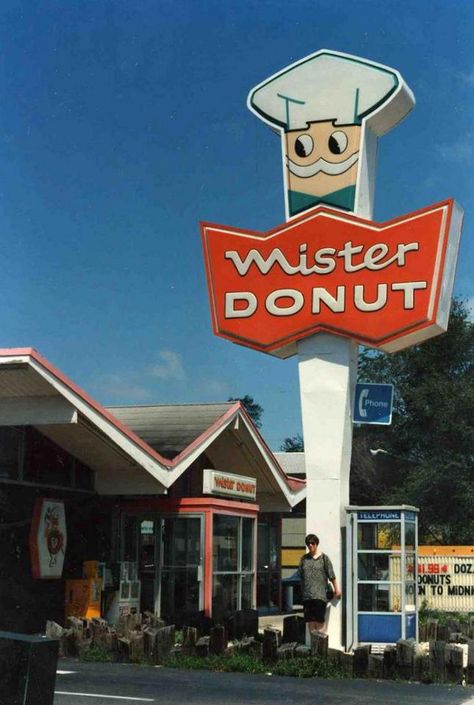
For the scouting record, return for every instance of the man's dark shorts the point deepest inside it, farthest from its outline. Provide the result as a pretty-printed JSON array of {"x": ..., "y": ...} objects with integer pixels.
[{"x": 314, "y": 611}]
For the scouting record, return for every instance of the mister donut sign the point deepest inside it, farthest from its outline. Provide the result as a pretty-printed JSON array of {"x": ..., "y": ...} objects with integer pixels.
[
  {"x": 381, "y": 284},
  {"x": 386, "y": 285}
]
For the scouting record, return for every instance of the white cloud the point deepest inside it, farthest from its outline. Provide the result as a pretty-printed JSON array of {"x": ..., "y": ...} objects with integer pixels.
[
  {"x": 460, "y": 151},
  {"x": 467, "y": 77},
  {"x": 120, "y": 388},
  {"x": 171, "y": 366},
  {"x": 215, "y": 389}
]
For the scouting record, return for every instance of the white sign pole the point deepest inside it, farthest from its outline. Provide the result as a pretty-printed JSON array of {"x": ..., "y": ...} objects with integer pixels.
[{"x": 327, "y": 371}]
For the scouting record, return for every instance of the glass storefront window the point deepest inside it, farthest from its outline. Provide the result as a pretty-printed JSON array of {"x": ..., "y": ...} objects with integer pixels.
[
  {"x": 379, "y": 536},
  {"x": 233, "y": 564},
  {"x": 247, "y": 544},
  {"x": 263, "y": 546},
  {"x": 269, "y": 577},
  {"x": 379, "y": 597},
  {"x": 225, "y": 543},
  {"x": 247, "y": 591},
  {"x": 225, "y": 594},
  {"x": 179, "y": 592},
  {"x": 181, "y": 541}
]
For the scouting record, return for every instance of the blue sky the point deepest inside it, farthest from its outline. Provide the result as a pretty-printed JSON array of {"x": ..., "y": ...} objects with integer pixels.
[{"x": 124, "y": 123}]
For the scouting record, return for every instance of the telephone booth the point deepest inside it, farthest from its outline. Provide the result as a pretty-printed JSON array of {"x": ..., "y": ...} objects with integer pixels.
[{"x": 381, "y": 574}]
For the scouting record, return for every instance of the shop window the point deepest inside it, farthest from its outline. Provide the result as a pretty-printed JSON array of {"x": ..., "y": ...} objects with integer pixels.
[
  {"x": 233, "y": 559},
  {"x": 10, "y": 452},
  {"x": 180, "y": 589},
  {"x": 181, "y": 541},
  {"x": 225, "y": 543},
  {"x": 268, "y": 565}
]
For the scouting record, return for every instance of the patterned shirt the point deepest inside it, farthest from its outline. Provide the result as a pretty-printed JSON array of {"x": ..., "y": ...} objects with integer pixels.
[{"x": 314, "y": 575}]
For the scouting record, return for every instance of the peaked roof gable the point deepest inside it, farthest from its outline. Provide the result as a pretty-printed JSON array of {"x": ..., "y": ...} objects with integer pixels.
[{"x": 166, "y": 470}]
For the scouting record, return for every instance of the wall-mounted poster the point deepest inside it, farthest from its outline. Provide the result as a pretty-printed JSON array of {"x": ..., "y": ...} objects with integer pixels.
[{"x": 48, "y": 539}]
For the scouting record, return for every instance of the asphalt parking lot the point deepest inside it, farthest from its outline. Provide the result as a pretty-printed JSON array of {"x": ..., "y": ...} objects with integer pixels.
[{"x": 126, "y": 684}]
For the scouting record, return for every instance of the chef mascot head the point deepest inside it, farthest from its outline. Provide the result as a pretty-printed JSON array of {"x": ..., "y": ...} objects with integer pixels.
[{"x": 330, "y": 108}]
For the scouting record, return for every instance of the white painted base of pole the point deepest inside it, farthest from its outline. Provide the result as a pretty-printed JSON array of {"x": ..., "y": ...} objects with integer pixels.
[{"x": 327, "y": 370}]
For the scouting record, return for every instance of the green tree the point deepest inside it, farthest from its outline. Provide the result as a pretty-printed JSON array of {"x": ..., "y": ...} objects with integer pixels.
[
  {"x": 253, "y": 409},
  {"x": 364, "y": 479},
  {"x": 293, "y": 444},
  {"x": 427, "y": 454}
]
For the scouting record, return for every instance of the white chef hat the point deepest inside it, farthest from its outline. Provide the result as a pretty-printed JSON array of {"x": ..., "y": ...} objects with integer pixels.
[{"x": 329, "y": 85}]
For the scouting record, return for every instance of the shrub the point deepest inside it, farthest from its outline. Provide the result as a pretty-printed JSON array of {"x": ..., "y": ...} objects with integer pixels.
[
  {"x": 304, "y": 667},
  {"x": 97, "y": 654},
  {"x": 425, "y": 613}
]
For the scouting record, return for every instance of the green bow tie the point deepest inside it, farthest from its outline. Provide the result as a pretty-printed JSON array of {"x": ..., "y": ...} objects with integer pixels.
[{"x": 343, "y": 198}]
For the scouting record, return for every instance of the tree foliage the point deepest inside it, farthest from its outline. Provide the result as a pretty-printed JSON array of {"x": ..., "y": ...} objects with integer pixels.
[
  {"x": 253, "y": 409},
  {"x": 293, "y": 444},
  {"x": 430, "y": 445}
]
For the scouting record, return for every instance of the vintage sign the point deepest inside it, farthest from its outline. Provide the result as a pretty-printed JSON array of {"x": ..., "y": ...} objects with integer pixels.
[
  {"x": 224, "y": 483},
  {"x": 48, "y": 539},
  {"x": 387, "y": 285}
]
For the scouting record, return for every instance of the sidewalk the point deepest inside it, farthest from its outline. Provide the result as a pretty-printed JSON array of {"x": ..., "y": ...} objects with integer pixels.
[{"x": 275, "y": 620}]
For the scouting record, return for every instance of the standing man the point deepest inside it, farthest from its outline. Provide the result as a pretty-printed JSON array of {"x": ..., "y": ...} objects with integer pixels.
[{"x": 316, "y": 574}]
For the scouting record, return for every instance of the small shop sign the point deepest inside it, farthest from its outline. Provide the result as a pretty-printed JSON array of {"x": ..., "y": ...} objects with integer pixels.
[
  {"x": 224, "y": 483},
  {"x": 48, "y": 539}
]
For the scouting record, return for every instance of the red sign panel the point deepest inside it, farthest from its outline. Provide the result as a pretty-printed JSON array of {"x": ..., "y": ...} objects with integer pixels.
[{"x": 387, "y": 285}]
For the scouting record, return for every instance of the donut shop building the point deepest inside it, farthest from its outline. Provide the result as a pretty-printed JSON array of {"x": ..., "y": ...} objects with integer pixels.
[{"x": 181, "y": 509}]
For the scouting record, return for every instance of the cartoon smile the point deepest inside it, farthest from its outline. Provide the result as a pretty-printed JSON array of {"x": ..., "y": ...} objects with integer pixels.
[{"x": 321, "y": 165}]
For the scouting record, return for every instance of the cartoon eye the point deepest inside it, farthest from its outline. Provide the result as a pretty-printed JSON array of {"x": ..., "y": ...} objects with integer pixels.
[
  {"x": 304, "y": 145},
  {"x": 338, "y": 142}
]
